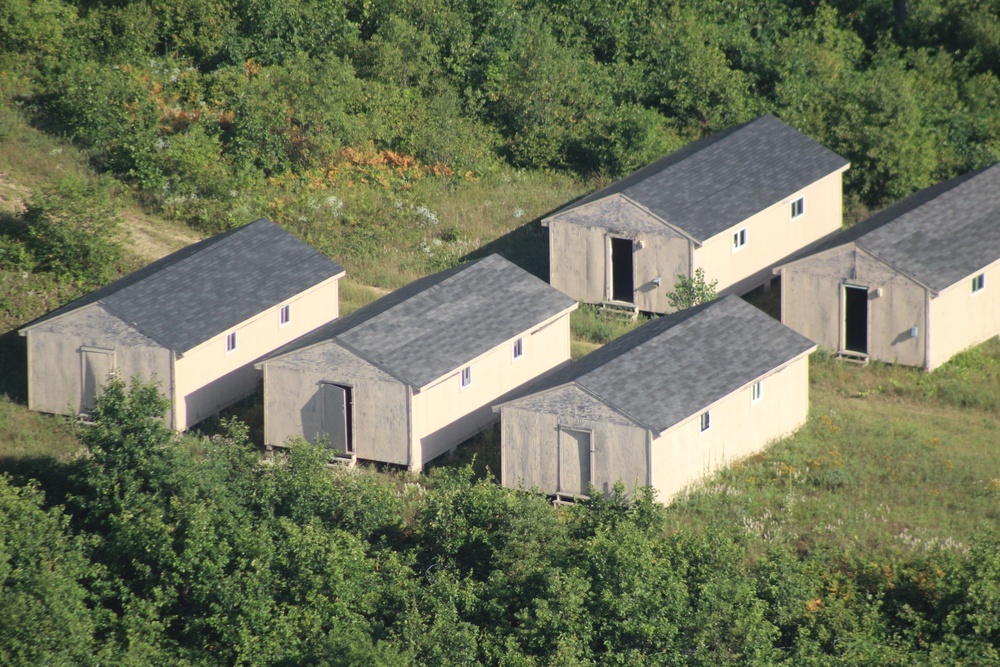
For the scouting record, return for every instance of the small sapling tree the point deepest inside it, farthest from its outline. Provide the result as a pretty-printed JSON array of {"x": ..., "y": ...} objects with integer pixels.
[{"x": 689, "y": 292}]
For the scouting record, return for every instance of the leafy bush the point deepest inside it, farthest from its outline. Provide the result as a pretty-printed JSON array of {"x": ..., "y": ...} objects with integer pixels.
[{"x": 73, "y": 230}]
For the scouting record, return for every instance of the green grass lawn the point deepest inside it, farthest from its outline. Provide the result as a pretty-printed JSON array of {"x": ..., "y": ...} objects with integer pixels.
[{"x": 892, "y": 459}]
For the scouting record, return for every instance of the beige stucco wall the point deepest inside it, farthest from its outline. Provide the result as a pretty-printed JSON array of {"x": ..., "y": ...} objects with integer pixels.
[
  {"x": 55, "y": 361},
  {"x": 380, "y": 402},
  {"x": 445, "y": 413},
  {"x": 772, "y": 235},
  {"x": 812, "y": 303},
  {"x": 530, "y": 441},
  {"x": 207, "y": 378},
  {"x": 663, "y": 257},
  {"x": 961, "y": 319},
  {"x": 739, "y": 427}
]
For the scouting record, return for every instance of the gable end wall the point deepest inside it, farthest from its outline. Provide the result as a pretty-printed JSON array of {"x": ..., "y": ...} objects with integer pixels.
[
  {"x": 812, "y": 295},
  {"x": 293, "y": 402},
  {"x": 530, "y": 445},
  {"x": 55, "y": 372}
]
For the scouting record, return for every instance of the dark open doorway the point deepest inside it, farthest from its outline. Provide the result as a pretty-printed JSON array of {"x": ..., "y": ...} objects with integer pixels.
[
  {"x": 622, "y": 271},
  {"x": 856, "y": 319}
]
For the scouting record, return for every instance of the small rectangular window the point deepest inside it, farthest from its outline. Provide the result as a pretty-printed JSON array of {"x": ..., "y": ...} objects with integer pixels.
[
  {"x": 978, "y": 283},
  {"x": 739, "y": 239},
  {"x": 798, "y": 207},
  {"x": 755, "y": 392},
  {"x": 706, "y": 421},
  {"x": 231, "y": 342},
  {"x": 518, "y": 348},
  {"x": 466, "y": 376},
  {"x": 286, "y": 315}
]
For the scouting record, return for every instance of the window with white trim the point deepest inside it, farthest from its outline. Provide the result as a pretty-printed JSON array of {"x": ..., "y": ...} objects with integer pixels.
[
  {"x": 518, "y": 350},
  {"x": 231, "y": 342},
  {"x": 466, "y": 376},
  {"x": 285, "y": 315},
  {"x": 798, "y": 207},
  {"x": 978, "y": 283},
  {"x": 756, "y": 391},
  {"x": 705, "y": 421},
  {"x": 739, "y": 239}
]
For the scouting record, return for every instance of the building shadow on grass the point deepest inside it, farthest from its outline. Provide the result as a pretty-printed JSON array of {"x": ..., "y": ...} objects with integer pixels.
[
  {"x": 527, "y": 246},
  {"x": 249, "y": 410},
  {"x": 481, "y": 451},
  {"x": 14, "y": 367},
  {"x": 59, "y": 479}
]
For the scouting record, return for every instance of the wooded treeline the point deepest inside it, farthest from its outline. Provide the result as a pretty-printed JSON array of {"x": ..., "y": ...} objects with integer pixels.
[
  {"x": 158, "y": 552},
  {"x": 198, "y": 102}
]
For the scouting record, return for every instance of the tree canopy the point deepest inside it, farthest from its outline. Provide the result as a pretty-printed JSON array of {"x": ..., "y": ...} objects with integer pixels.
[
  {"x": 197, "y": 102},
  {"x": 196, "y": 552}
]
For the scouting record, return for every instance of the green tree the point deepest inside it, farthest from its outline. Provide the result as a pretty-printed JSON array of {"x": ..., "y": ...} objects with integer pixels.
[
  {"x": 45, "y": 619},
  {"x": 73, "y": 230},
  {"x": 127, "y": 432},
  {"x": 693, "y": 291}
]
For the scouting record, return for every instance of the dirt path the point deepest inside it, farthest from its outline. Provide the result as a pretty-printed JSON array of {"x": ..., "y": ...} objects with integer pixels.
[
  {"x": 151, "y": 238},
  {"x": 12, "y": 195}
]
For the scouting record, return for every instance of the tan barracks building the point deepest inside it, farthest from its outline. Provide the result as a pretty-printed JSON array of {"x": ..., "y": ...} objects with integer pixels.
[
  {"x": 195, "y": 321},
  {"x": 413, "y": 374},
  {"x": 661, "y": 406},
  {"x": 913, "y": 284},
  {"x": 734, "y": 204}
]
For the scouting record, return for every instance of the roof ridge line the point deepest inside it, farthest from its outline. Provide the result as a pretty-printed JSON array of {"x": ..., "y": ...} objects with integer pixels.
[
  {"x": 658, "y": 218},
  {"x": 611, "y": 404}
]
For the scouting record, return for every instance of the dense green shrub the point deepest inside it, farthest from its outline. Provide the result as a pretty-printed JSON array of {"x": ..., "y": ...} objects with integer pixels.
[
  {"x": 72, "y": 229},
  {"x": 43, "y": 575}
]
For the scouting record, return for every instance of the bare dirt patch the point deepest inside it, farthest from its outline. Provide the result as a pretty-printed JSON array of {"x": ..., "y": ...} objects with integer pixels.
[
  {"x": 151, "y": 238},
  {"x": 12, "y": 195}
]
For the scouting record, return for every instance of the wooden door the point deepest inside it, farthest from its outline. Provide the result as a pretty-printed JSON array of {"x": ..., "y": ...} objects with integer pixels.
[{"x": 336, "y": 419}]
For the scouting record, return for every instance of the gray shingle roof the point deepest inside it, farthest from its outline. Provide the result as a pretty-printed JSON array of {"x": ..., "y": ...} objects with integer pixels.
[
  {"x": 714, "y": 183},
  {"x": 939, "y": 235},
  {"x": 437, "y": 324},
  {"x": 208, "y": 287},
  {"x": 677, "y": 365}
]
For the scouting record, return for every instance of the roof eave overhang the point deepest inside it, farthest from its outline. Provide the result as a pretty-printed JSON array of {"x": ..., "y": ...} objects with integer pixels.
[
  {"x": 896, "y": 268},
  {"x": 666, "y": 223},
  {"x": 532, "y": 329},
  {"x": 660, "y": 432}
]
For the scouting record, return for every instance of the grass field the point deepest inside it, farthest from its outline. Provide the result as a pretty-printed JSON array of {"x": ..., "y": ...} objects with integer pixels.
[{"x": 884, "y": 464}]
